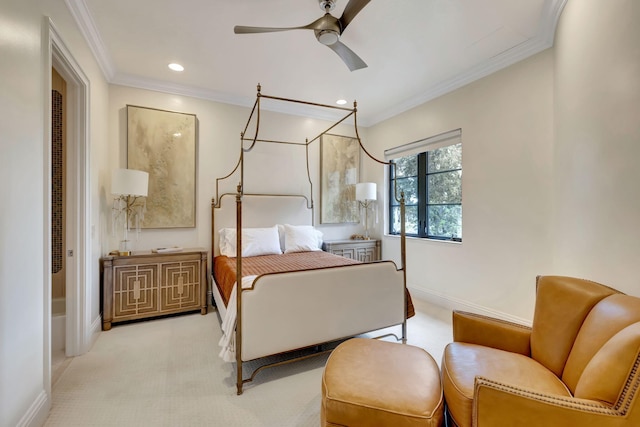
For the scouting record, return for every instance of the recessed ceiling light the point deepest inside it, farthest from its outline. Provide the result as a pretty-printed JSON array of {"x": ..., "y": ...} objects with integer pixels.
[
  {"x": 176, "y": 67},
  {"x": 341, "y": 101}
]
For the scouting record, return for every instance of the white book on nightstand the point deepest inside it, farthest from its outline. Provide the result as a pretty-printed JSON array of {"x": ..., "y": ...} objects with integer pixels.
[{"x": 167, "y": 250}]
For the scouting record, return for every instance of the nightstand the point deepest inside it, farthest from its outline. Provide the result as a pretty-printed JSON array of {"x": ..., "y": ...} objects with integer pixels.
[
  {"x": 147, "y": 284},
  {"x": 362, "y": 250}
]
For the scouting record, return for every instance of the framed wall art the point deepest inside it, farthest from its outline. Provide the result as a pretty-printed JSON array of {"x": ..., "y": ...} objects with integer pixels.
[
  {"x": 339, "y": 173},
  {"x": 163, "y": 143}
]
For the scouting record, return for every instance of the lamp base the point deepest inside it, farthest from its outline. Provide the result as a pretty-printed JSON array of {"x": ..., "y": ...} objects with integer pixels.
[{"x": 125, "y": 248}]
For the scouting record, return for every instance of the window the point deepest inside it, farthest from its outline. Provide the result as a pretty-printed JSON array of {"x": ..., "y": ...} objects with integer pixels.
[{"x": 430, "y": 174}]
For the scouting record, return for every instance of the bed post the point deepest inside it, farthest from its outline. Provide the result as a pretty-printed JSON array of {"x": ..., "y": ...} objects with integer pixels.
[
  {"x": 403, "y": 237},
  {"x": 403, "y": 261},
  {"x": 213, "y": 227},
  {"x": 238, "y": 346},
  {"x": 213, "y": 247}
]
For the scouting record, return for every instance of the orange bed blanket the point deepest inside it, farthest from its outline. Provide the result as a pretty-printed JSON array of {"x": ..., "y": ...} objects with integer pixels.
[{"x": 224, "y": 268}]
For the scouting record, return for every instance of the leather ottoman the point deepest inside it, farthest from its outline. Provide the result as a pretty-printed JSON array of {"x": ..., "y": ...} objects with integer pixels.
[{"x": 367, "y": 382}]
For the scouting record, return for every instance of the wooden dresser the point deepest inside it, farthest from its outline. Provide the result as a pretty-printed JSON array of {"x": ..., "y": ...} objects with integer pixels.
[
  {"x": 148, "y": 284},
  {"x": 362, "y": 250}
]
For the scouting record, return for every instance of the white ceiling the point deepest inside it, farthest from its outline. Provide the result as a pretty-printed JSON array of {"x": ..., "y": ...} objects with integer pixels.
[{"x": 416, "y": 50}]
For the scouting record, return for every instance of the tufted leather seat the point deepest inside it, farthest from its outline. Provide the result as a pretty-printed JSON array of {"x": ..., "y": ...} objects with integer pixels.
[
  {"x": 368, "y": 382},
  {"x": 578, "y": 365}
]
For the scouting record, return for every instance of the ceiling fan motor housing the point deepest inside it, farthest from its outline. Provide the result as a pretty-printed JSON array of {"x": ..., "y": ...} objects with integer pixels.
[
  {"x": 328, "y": 29},
  {"x": 327, "y": 37},
  {"x": 327, "y": 5}
]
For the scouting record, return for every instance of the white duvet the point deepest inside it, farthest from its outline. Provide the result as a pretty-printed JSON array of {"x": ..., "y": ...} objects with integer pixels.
[{"x": 228, "y": 340}]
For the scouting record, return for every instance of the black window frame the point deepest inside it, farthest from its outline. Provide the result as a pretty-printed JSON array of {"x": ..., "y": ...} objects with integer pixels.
[{"x": 422, "y": 193}]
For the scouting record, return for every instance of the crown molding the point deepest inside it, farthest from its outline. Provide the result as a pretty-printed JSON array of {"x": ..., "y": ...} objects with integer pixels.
[
  {"x": 224, "y": 98},
  {"x": 496, "y": 63},
  {"x": 549, "y": 21},
  {"x": 543, "y": 39},
  {"x": 82, "y": 15},
  {"x": 131, "y": 80}
]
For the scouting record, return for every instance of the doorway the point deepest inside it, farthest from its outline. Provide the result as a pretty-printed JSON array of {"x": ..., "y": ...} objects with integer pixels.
[
  {"x": 76, "y": 238},
  {"x": 58, "y": 224}
]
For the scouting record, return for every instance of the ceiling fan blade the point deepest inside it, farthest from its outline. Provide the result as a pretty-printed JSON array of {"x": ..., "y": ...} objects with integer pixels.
[
  {"x": 315, "y": 25},
  {"x": 351, "y": 10},
  {"x": 352, "y": 60},
  {"x": 239, "y": 29}
]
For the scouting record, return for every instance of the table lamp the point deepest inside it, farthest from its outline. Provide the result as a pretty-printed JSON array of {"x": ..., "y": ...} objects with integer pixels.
[
  {"x": 129, "y": 188},
  {"x": 366, "y": 196}
]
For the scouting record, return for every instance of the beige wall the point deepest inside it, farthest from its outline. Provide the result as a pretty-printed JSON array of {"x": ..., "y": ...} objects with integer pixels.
[
  {"x": 25, "y": 74},
  {"x": 597, "y": 147},
  {"x": 21, "y": 177},
  {"x": 507, "y": 135},
  {"x": 269, "y": 168}
]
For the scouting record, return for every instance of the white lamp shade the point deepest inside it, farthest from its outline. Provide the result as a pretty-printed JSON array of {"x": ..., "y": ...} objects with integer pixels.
[
  {"x": 366, "y": 191},
  {"x": 129, "y": 182}
]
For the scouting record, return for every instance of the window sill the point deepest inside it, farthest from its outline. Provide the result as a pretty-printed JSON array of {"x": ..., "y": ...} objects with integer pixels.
[{"x": 423, "y": 239}]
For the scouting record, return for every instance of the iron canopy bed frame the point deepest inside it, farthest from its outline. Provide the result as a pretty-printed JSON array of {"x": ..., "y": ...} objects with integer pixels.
[{"x": 372, "y": 270}]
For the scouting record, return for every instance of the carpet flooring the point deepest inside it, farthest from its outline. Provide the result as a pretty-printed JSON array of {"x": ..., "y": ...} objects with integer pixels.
[{"x": 167, "y": 372}]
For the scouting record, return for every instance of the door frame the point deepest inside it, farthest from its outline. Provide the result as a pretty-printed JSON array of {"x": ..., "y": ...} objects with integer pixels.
[{"x": 78, "y": 268}]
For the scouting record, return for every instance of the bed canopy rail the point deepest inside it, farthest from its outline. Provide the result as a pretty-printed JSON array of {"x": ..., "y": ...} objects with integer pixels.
[
  {"x": 247, "y": 144},
  {"x": 350, "y": 112}
]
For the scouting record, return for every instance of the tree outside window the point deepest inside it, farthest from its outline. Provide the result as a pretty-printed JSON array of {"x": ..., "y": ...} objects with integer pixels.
[{"x": 432, "y": 184}]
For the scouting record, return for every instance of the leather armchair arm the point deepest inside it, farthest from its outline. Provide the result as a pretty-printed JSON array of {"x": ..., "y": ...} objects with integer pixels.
[
  {"x": 490, "y": 332},
  {"x": 501, "y": 404}
]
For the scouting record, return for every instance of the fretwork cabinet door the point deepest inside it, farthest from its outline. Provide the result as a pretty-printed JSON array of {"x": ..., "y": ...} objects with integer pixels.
[
  {"x": 135, "y": 291},
  {"x": 148, "y": 284},
  {"x": 361, "y": 250},
  {"x": 180, "y": 285}
]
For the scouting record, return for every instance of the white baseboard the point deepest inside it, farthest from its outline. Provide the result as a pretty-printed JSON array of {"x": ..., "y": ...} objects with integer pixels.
[
  {"x": 450, "y": 303},
  {"x": 37, "y": 413},
  {"x": 94, "y": 332}
]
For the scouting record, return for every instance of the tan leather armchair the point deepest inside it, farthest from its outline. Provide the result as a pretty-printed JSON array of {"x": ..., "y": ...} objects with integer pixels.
[{"x": 578, "y": 365}]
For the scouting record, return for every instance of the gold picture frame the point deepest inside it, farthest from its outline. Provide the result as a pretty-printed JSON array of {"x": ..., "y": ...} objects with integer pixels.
[
  {"x": 163, "y": 143},
  {"x": 339, "y": 173}
]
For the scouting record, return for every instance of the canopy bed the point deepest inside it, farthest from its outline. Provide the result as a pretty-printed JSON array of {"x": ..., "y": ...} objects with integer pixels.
[{"x": 292, "y": 295}]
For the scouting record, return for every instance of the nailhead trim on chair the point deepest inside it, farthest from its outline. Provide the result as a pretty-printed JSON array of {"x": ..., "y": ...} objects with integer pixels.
[
  {"x": 555, "y": 400},
  {"x": 630, "y": 388}
]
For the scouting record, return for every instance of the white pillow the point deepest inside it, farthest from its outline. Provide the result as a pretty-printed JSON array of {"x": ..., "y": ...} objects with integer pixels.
[
  {"x": 319, "y": 237},
  {"x": 301, "y": 238},
  {"x": 281, "y": 234},
  {"x": 227, "y": 245},
  {"x": 255, "y": 241}
]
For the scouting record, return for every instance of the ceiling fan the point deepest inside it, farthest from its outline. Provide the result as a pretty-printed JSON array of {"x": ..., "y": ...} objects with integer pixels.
[{"x": 327, "y": 29}]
